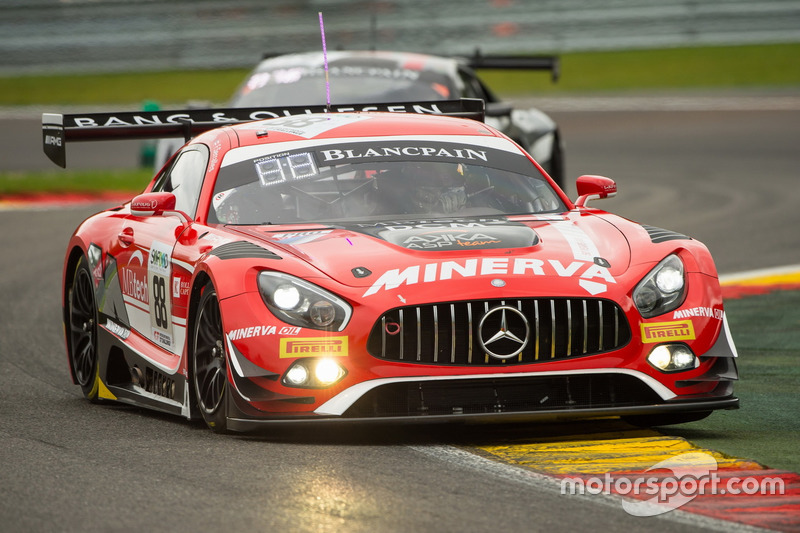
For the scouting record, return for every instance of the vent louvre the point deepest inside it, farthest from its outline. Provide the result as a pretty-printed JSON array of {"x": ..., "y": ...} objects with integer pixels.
[
  {"x": 242, "y": 250},
  {"x": 658, "y": 235}
]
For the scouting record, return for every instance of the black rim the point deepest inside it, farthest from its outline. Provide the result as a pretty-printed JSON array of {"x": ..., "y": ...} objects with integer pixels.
[
  {"x": 83, "y": 328},
  {"x": 210, "y": 375}
]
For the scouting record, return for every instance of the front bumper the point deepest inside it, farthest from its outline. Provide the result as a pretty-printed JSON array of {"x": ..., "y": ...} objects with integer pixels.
[
  {"x": 539, "y": 396},
  {"x": 252, "y": 425}
]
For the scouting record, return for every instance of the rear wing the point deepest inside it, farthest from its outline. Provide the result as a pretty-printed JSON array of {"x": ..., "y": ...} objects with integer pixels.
[
  {"x": 550, "y": 63},
  {"x": 58, "y": 129}
]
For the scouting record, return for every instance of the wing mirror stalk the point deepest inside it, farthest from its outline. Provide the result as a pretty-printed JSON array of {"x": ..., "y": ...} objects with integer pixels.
[{"x": 158, "y": 204}]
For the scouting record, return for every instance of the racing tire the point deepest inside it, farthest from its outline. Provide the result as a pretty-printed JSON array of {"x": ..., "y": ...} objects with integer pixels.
[
  {"x": 666, "y": 419},
  {"x": 209, "y": 363},
  {"x": 82, "y": 330}
]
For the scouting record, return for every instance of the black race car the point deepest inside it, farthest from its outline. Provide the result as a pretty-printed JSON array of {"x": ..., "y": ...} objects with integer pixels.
[{"x": 383, "y": 77}]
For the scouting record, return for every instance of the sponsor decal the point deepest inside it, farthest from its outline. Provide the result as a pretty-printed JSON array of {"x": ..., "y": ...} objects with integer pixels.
[
  {"x": 52, "y": 140},
  {"x": 699, "y": 312},
  {"x": 260, "y": 331},
  {"x": 118, "y": 330},
  {"x": 462, "y": 154},
  {"x": 299, "y": 237},
  {"x": 180, "y": 287},
  {"x": 159, "y": 258},
  {"x": 484, "y": 233},
  {"x": 313, "y": 346},
  {"x": 306, "y": 126},
  {"x": 667, "y": 331},
  {"x": 449, "y": 240},
  {"x": 445, "y": 223},
  {"x": 216, "y": 148},
  {"x": 144, "y": 206},
  {"x": 159, "y": 267},
  {"x": 492, "y": 266},
  {"x": 162, "y": 338},
  {"x": 134, "y": 286},
  {"x": 141, "y": 120}
]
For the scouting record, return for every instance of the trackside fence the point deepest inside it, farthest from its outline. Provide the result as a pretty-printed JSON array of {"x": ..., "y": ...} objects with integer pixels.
[{"x": 41, "y": 36}]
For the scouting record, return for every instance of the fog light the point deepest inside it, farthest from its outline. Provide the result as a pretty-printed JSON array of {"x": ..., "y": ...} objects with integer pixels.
[
  {"x": 328, "y": 372},
  {"x": 297, "y": 375},
  {"x": 312, "y": 373},
  {"x": 682, "y": 357},
  {"x": 672, "y": 357}
]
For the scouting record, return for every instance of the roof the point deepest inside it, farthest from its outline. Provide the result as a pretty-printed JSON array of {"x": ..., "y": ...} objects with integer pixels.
[
  {"x": 361, "y": 124},
  {"x": 404, "y": 60}
]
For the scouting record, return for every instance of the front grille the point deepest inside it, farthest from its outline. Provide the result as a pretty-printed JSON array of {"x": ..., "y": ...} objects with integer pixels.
[
  {"x": 448, "y": 333},
  {"x": 503, "y": 395}
]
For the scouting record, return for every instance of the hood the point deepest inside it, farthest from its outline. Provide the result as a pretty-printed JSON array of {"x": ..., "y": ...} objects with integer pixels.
[{"x": 583, "y": 251}]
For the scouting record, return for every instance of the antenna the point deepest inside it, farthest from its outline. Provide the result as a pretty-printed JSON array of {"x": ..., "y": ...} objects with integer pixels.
[{"x": 325, "y": 61}]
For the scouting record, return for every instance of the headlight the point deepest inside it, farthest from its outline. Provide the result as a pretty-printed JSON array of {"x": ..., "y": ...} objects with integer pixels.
[
  {"x": 300, "y": 303},
  {"x": 662, "y": 290}
]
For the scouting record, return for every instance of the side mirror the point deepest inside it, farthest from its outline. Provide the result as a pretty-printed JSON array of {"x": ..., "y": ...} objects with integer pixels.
[
  {"x": 594, "y": 188},
  {"x": 152, "y": 204}
]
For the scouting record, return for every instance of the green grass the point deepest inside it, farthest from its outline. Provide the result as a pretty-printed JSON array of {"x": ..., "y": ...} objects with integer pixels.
[
  {"x": 121, "y": 88},
  {"x": 57, "y": 181},
  {"x": 678, "y": 68},
  {"x": 675, "y": 68}
]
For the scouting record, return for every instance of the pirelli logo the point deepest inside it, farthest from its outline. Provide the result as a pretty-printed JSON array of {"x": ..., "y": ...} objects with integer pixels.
[
  {"x": 667, "y": 331},
  {"x": 313, "y": 346}
]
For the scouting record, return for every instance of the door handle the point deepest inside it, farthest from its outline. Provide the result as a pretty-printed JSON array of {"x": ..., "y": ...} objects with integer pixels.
[{"x": 126, "y": 237}]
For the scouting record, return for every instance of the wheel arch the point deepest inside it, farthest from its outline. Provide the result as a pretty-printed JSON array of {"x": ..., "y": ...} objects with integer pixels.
[{"x": 201, "y": 280}]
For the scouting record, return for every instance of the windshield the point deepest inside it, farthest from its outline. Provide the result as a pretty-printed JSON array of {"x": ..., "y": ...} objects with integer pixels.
[
  {"x": 349, "y": 84},
  {"x": 378, "y": 178}
]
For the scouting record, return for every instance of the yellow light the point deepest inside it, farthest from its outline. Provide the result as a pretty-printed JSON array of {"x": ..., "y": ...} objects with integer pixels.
[
  {"x": 328, "y": 371},
  {"x": 660, "y": 358}
]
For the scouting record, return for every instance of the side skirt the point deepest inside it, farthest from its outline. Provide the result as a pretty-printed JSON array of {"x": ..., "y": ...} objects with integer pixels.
[{"x": 128, "y": 377}]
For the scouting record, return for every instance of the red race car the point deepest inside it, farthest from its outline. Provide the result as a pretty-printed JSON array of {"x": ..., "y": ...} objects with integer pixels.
[{"x": 380, "y": 265}]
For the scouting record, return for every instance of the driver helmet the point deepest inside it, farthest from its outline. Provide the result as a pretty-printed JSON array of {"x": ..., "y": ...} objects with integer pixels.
[{"x": 436, "y": 187}]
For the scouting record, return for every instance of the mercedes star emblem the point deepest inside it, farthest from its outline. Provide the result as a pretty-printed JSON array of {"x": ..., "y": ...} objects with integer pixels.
[{"x": 506, "y": 339}]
